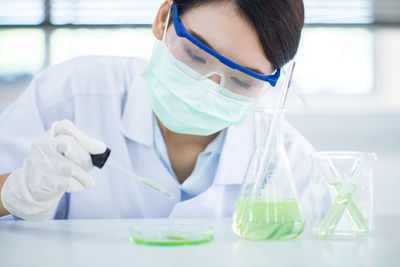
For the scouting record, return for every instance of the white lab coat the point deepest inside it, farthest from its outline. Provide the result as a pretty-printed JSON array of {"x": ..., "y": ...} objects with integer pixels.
[{"x": 106, "y": 98}]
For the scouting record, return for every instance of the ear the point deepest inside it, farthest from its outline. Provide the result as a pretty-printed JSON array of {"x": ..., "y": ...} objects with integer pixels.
[{"x": 159, "y": 22}]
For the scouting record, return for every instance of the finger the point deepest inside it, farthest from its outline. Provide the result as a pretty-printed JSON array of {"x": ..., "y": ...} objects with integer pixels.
[
  {"x": 78, "y": 174},
  {"x": 73, "y": 186},
  {"x": 70, "y": 149},
  {"x": 91, "y": 145}
]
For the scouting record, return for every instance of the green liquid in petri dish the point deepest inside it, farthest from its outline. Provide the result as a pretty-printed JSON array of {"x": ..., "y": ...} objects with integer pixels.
[
  {"x": 172, "y": 241},
  {"x": 171, "y": 234},
  {"x": 263, "y": 220}
]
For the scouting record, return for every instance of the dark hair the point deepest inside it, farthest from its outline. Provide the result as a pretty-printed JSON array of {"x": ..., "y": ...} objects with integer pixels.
[{"x": 278, "y": 24}]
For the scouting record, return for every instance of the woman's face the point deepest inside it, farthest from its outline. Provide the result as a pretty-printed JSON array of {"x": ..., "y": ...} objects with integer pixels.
[{"x": 221, "y": 27}]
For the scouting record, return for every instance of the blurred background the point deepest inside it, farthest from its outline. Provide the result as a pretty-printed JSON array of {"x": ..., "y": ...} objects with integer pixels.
[{"x": 346, "y": 93}]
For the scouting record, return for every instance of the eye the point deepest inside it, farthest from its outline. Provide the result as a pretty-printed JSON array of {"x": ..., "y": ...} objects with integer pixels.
[
  {"x": 241, "y": 83},
  {"x": 195, "y": 57}
]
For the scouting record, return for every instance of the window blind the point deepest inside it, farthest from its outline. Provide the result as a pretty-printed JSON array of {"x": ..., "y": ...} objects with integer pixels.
[
  {"x": 115, "y": 12},
  {"x": 14, "y": 12},
  {"x": 103, "y": 11},
  {"x": 339, "y": 11}
]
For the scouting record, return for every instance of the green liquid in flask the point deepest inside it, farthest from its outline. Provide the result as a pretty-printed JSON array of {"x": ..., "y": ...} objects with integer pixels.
[{"x": 262, "y": 220}]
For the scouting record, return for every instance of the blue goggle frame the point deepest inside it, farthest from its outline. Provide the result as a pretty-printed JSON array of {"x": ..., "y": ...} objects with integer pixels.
[{"x": 182, "y": 32}]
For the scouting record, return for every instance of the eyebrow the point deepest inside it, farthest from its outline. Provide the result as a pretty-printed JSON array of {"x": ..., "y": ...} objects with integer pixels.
[{"x": 201, "y": 39}]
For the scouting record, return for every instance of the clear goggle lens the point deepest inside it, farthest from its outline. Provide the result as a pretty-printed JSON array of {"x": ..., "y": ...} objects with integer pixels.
[{"x": 207, "y": 66}]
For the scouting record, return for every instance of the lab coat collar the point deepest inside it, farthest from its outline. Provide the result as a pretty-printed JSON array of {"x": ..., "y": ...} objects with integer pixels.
[{"x": 136, "y": 121}]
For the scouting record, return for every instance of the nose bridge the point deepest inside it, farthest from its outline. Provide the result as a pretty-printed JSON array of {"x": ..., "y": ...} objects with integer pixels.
[{"x": 215, "y": 76}]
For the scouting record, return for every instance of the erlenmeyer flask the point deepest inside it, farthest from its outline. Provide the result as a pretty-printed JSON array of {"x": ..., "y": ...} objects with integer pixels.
[{"x": 268, "y": 206}]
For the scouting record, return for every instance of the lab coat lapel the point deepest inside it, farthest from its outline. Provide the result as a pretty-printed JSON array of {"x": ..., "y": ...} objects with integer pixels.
[
  {"x": 137, "y": 125},
  {"x": 236, "y": 153},
  {"x": 137, "y": 113},
  {"x": 111, "y": 184}
]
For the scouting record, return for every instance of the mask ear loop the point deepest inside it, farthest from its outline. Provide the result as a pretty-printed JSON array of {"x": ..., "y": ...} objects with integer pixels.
[{"x": 166, "y": 23}]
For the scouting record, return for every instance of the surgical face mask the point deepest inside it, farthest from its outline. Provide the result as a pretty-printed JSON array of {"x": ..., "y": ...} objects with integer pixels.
[{"x": 188, "y": 103}]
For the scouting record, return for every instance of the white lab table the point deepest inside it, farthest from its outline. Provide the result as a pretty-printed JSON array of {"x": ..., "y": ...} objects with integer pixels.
[{"x": 106, "y": 243}]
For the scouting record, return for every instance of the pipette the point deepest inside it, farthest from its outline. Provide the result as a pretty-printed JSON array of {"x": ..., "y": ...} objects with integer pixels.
[
  {"x": 99, "y": 160},
  {"x": 268, "y": 145},
  {"x": 286, "y": 85}
]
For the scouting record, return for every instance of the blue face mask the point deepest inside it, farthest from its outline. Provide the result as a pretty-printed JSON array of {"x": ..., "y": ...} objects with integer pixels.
[{"x": 188, "y": 105}]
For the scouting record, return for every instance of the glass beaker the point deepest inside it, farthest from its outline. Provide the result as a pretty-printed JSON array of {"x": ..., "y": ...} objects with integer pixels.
[
  {"x": 268, "y": 206},
  {"x": 341, "y": 194}
]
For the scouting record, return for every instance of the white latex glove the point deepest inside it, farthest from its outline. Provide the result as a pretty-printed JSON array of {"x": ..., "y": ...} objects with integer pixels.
[{"x": 59, "y": 162}]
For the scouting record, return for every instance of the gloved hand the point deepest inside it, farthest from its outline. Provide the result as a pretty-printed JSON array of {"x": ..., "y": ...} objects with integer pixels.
[{"x": 59, "y": 162}]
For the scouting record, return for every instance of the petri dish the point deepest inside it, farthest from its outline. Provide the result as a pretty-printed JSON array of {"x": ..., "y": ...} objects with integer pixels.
[{"x": 171, "y": 234}]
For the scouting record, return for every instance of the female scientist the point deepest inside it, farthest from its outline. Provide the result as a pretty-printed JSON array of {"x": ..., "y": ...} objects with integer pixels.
[{"x": 182, "y": 120}]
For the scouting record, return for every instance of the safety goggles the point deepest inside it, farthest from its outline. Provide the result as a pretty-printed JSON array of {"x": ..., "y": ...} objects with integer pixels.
[{"x": 206, "y": 62}]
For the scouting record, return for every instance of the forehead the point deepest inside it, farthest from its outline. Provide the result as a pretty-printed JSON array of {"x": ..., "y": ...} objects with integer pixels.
[{"x": 229, "y": 33}]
